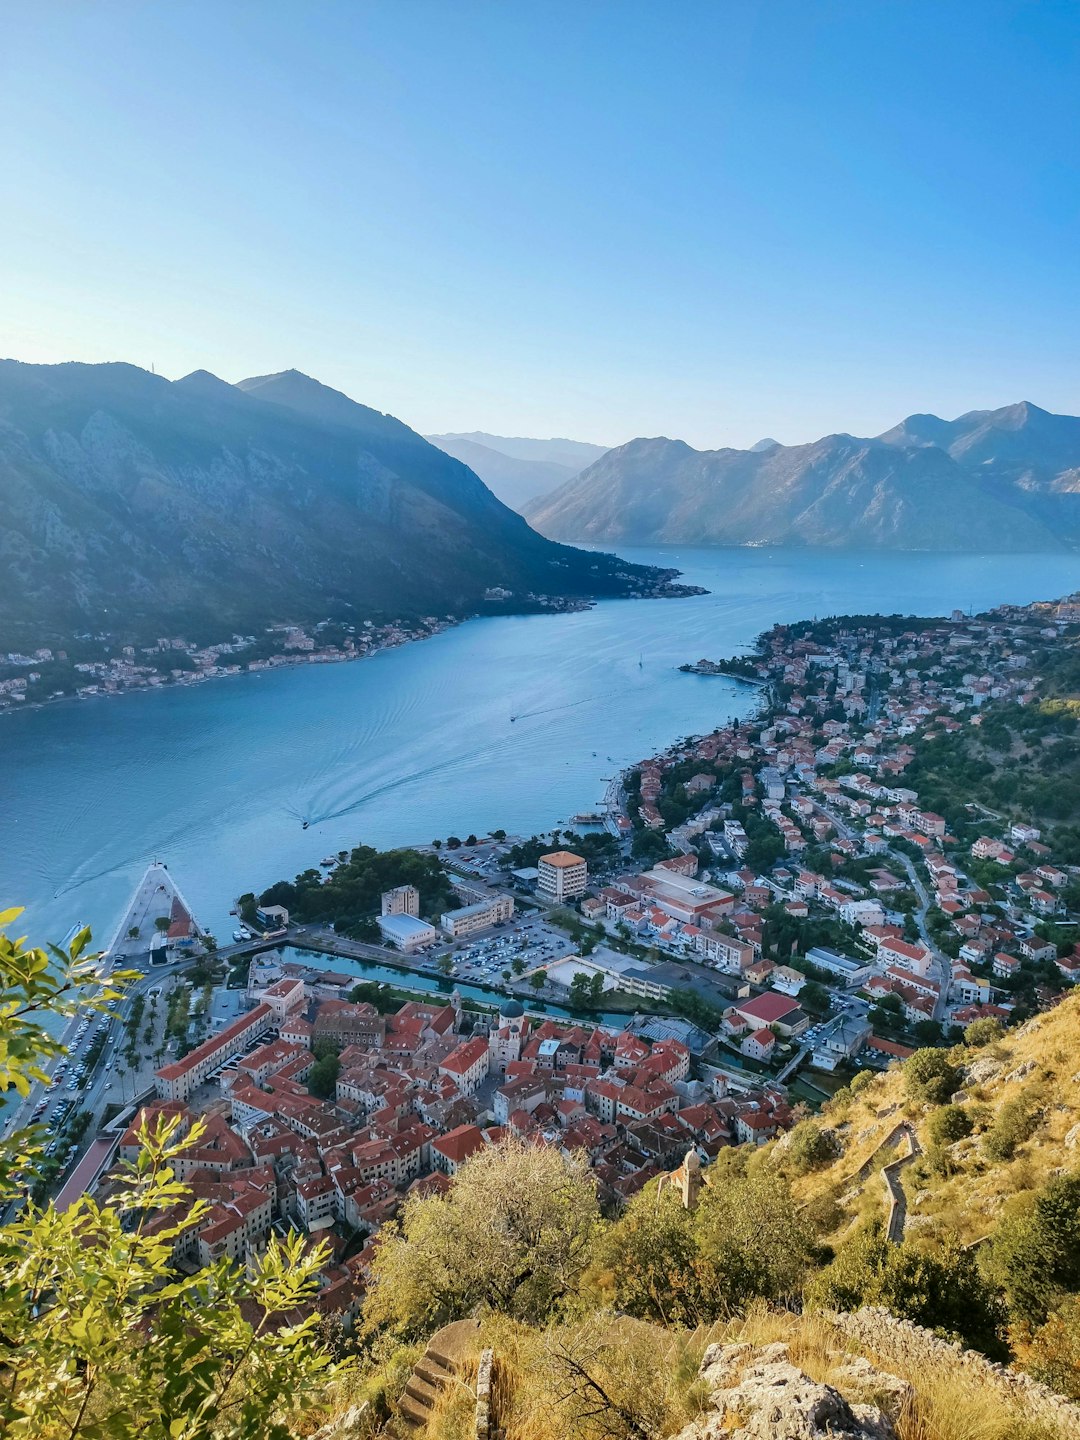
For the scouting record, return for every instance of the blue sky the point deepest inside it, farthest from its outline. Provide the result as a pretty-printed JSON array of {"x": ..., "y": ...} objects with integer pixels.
[{"x": 709, "y": 220}]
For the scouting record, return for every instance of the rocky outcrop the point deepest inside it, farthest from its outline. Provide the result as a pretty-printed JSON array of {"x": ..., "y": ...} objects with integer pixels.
[
  {"x": 756, "y": 1393},
  {"x": 918, "y": 1351}
]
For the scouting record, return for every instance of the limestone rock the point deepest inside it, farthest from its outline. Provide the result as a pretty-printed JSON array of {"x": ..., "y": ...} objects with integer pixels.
[
  {"x": 757, "y": 1394},
  {"x": 981, "y": 1070},
  {"x": 1072, "y": 1139}
]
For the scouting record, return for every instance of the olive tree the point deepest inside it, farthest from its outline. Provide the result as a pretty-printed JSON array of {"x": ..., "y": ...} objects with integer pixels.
[{"x": 512, "y": 1233}]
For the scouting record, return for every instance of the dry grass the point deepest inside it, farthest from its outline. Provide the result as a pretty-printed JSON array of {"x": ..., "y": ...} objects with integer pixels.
[
  {"x": 972, "y": 1200},
  {"x": 949, "y": 1402},
  {"x": 653, "y": 1373},
  {"x": 453, "y": 1415},
  {"x": 647, "y": 1371}
]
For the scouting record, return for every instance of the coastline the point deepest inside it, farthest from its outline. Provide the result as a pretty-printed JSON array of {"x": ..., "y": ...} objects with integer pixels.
[{"x": 392, "y": 636}]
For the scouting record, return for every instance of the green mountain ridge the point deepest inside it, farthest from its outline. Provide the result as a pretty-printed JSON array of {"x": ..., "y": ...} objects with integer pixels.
[{"x": 144, "y": 506}]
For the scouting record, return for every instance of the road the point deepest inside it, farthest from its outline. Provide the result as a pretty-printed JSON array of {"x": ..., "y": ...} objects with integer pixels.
[{"x": 941, "y": 963}]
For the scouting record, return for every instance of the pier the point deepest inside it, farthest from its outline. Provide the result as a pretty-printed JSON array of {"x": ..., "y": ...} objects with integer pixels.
[{"x": 152, "y": 900}]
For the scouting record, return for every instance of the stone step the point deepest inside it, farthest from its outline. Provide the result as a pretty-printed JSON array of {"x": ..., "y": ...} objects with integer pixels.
[
  {"x": 434, "y": 1359},
  {"x": 412, "y": 1412},
  {"x": 422, "y": 1390},
  {"x": 433, "y": 1371}
]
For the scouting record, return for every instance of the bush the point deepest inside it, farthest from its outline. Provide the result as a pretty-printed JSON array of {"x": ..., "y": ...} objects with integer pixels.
[
  {"x": 943, "y": 1291},
  {"x": 103, "y": 1338},
  {"x": 811, "y": 1147},
  {"x": 745, "y": 1240},
  {"x": 1034, "y": 1256},
  {"x": 1052, "y": 1352},
  {"x": 930, "y": 1077},
  {"x": 512, "y": 1233},
  {"x": 983, "y": 1032},
  {"x": 1016, "y": 1122},
  {"x": 949, "y": 1124}
]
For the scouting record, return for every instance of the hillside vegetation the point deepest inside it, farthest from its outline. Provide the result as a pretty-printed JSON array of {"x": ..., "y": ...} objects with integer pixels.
[{"x": 149, "y": 507}]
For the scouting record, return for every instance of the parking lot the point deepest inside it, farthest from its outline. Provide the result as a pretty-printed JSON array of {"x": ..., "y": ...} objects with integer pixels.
[{"x": 519, "y": 946}]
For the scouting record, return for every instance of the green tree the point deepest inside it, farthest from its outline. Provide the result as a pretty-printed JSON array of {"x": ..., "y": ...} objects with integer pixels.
[
  {"x": 1034, "y": 1255},
  {"x": 579, "y": 991},
  {"x": 983, "y": 1032},
  {"x": 810, "y": 1147},
  {"x": 538, "y": 979},
  {"x": 103, "y": 1339},
  {"x": 814, "y": 996},
  {"x": 745, "y": 1240},
  {"x": 513, "y": 1233},
  {"x": 322, "y": 1077}
]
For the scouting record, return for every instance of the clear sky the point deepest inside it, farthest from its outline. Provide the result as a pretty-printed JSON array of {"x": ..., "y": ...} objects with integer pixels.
[{"x": 556, "y": 217}]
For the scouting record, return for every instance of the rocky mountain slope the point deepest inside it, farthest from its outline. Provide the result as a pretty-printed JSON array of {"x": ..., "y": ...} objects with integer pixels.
[
  {"x": 139, "y": 505},
  {"x": 519, "y": 470},
  {"x": 1021, "y": 1095},
  {"x": 991, "y": 480}
]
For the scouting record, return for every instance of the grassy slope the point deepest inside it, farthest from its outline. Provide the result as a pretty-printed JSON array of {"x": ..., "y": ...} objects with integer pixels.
[{"x": 1041, "y": 1061}]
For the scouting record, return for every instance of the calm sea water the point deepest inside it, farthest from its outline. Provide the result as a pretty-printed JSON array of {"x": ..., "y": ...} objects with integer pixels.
[{"x": 417, "y": 742}]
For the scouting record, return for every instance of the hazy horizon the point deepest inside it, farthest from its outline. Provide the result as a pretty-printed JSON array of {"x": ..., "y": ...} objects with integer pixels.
[{"x": 715, "y": 223}]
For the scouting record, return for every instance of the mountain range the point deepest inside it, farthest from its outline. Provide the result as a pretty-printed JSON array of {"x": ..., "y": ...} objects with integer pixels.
[
  {"x": 1006, "y": 479},
  {"x": 516, "y": 469},
  {"x": 144, "y": 506}
]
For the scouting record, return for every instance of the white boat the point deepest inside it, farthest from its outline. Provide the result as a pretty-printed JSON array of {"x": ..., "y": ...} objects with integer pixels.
[
  {"x": 237, "y": 936},
  {"x": 328, "y": 862}
]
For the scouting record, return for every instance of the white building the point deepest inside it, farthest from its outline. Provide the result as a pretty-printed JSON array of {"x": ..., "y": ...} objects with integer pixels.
[
  {"x": 405, "y": 931},
  {"x": 480, "y": 916}
]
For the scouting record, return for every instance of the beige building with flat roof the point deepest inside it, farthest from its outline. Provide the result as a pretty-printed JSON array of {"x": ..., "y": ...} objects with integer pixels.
[
  {"x": 492, "y": 910},
  {"x": 402, "y": 900},
  {"x": 563, "y": 876}
]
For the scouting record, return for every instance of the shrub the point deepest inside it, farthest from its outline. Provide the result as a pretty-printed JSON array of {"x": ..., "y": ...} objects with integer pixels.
[
  {"x": 983, "y": 1032},
  {"x": 85, "y": 1291},
  {"x": 1052, "y": 1352},
  {"x": 943, "y": 1291},
  {"x": 948, "y": 1124},
  {"x": 811, "y": 1147},
  {"x": 930, "y": 1077},
  {"x": 1034, "y": 1255},
  {"x": 513, "y": 1233},
  {"x": 1016, "y": 1122},
  {"x": 745, "y": 1240}
]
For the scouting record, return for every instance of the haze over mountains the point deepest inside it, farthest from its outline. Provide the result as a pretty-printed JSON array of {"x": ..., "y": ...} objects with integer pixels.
[
  {"x": 144, "y": 506},
  {"x": 516, "y": 469},
  {"x": 1006, "y": 479}
]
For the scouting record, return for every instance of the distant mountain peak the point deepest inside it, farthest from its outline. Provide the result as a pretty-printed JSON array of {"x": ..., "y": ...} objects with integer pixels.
[
  {"x": 206, "y": 383},
  {"x": 762, "y": 445}
]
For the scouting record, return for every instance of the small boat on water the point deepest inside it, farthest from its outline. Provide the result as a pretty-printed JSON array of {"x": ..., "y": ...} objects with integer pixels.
[
  {"x": 237, "y": 936},
  {"x": 328, "y": 862},
  {"x": 304, "y": 824}
]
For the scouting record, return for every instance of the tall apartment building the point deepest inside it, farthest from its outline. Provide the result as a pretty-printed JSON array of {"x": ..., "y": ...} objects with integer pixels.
[
  {"x": 563, "y": 876},
  {"x": 402, "y": 900}
]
